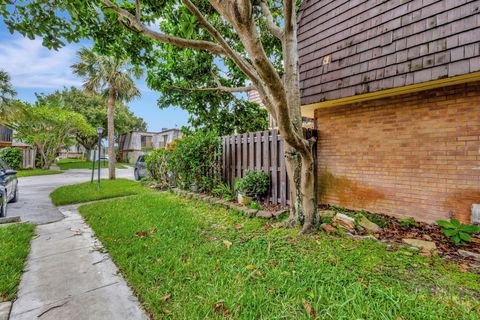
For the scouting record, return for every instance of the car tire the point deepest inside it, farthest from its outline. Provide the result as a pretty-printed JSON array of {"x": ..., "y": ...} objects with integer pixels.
[
  {"x": 15, "y": 196},
  {"x": 137, "y": 177}
]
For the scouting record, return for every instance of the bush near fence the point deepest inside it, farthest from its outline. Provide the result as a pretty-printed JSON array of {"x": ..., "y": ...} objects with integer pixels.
[{"x": 205, "y": 160}]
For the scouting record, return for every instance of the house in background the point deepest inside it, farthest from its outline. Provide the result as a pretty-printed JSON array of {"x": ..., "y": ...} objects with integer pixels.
[
  {"x": 135, "y": 143},
  {"x": 28, "y": 153},
  {"x": 6, "y": 136},
  {"x": 394, "y": 88}
]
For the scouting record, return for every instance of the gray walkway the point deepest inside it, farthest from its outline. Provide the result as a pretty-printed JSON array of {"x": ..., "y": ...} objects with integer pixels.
[{"x": 68, "y": 275}]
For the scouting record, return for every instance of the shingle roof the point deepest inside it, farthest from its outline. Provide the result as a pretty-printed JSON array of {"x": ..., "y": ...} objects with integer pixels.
[{"x": 351, "y": 47}]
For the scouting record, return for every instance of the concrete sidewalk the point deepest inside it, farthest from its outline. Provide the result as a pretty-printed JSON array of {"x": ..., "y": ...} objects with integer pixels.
[{"x": 68, "y": 277}]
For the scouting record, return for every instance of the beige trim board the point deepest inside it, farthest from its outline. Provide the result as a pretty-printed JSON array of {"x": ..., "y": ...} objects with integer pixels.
[{"x": 308, "y": 110}]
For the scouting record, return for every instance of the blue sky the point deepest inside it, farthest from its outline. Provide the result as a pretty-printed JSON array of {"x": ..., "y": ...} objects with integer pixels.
[{"x": 34, "y": 68}]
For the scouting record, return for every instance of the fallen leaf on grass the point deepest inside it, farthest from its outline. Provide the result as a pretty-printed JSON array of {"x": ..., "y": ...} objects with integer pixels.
[
  {"x": 463, "y": 267},
  {"x": 238, "y": 226},
  {"x": 219, "y": 307},
  {"x": 227, "y": 244},
  {"x": 250, "y": 267},
  {"x": 143, "y": 234},
  {"x": 309, "y": 309},
  {"x": 165, "y": 298}
]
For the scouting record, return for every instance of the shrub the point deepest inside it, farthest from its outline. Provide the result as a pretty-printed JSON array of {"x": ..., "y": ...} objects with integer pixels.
[
  {"x": 222, "y": 190},
  {"x": 157, "y": 166},
  {"x": 254, "y": 183},
  {"x": 12, "y": 157},
  {"x": 458, "y": 232},
  {"x": 194, "y": 160}
]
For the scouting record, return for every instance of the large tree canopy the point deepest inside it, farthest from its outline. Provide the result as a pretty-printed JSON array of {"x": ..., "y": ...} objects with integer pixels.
[{"x": 244, "y": 39}]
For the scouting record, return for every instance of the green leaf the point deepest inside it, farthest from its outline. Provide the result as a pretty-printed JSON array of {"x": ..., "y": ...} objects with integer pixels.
[
  {"x": 445, "y": 224},
  {"x": 450, "y": 232},
  {"x": 465, "y": 236},
  {"x": 456, "y": 239},
  {"x": 455, "y": 223},
  {"x": 469, "y": 228}
]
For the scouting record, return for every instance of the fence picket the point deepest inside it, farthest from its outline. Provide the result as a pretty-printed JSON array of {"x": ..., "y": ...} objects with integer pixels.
[{"x": 260, "y": 151}]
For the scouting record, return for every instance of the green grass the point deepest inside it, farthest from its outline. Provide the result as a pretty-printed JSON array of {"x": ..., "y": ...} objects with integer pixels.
[
  {"x": 67, "y": 164},
  {"x": 168, "y": 246},
  {"x": 84, "y": 192},
  {"x": 14, "y": 248},
  {"x": 36, "y": 172}
]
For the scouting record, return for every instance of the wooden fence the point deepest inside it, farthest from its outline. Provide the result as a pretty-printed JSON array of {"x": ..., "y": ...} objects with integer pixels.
[
  {"x": 258, "y": 151},
  {"x": 28, "y": 161}
]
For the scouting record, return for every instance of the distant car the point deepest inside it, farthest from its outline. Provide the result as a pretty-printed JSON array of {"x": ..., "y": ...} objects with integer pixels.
[
  {"x": 140, "y": 170},
  {"x": 8, "y": 187}
]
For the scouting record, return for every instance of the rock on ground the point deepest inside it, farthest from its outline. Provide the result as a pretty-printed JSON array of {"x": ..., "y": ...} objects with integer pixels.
[
  {"x": 344, "y": 221},
  {"x": 369, "y": 225},
  {"x": 422, "y": 244}
]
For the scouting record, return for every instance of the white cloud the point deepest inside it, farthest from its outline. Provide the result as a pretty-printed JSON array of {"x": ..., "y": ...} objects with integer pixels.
[{"x": 31, "y": 65}]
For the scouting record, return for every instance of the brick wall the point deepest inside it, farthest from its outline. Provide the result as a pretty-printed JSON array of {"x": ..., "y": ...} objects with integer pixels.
[{"x": 412, "y": 155}]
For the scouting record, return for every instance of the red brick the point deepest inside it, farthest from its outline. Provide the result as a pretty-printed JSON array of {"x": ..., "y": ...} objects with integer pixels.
[{"x": 412, "y": 155}]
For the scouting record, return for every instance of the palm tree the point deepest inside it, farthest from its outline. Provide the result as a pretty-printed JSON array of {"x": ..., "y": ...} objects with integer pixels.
[
  {"x": 112, "y": 77},
  {"x": 6, "y": 93}
]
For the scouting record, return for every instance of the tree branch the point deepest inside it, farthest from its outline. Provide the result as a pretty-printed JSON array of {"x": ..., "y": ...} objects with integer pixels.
[
  {"x": 138, "y": 11},
  {"x": 241, "y": 62},
  {"x": 218, "y": 88},
  {"x": 289, "y": 14},
  {"x": 271, "y": 25},
  {"x": 137, "y": 25}
]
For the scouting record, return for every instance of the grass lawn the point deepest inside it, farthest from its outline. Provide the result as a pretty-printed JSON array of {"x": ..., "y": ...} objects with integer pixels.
[
  {"x": 66, "y": 164},
  {"x": 84, "y": 192},
  {"x": 36, "y": 172},
  {"x": 14, "y": 248},
  {"x": 189, "y": 260}
]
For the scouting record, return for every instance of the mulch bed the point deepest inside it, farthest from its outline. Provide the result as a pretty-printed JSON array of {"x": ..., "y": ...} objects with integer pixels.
[{"x": 394, "y": 233}]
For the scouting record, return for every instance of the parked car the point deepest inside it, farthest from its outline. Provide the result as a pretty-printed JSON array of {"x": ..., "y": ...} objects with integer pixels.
[
  {"x": 140, "y": 170},
  {"x": 8, "y": 187}
]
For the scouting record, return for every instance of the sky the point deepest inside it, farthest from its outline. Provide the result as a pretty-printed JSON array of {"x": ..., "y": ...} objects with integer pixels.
[{"x": 35, "y": 69}]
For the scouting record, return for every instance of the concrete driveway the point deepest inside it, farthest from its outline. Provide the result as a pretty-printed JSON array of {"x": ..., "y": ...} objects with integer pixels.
[{"x": 34, "y": 204}]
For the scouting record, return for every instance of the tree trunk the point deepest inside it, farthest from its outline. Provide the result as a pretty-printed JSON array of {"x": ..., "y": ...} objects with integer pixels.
[{"x": 111, "y": 133}]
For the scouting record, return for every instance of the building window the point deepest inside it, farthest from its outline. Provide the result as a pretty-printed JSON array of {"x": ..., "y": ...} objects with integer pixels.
[{"x": 146, "y": 141}]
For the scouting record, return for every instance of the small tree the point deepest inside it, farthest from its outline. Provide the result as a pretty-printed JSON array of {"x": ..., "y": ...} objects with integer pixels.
[
  {"x": 48, "y": 129},
  {"x": 112, "y": 77}
]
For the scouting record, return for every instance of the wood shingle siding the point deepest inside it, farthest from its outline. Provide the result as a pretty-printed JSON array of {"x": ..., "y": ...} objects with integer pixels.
[{"x": 354, "y": 47}]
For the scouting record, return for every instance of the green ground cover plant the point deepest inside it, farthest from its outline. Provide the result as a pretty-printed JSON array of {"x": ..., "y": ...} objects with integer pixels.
[
  {"x": 84, "y": 192},
  {"x": 36, "y": 172},
  {"x": 186, "y": 259},
  {"x": 14, "y": 248},
  {"x": 458, "y": 232}
]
